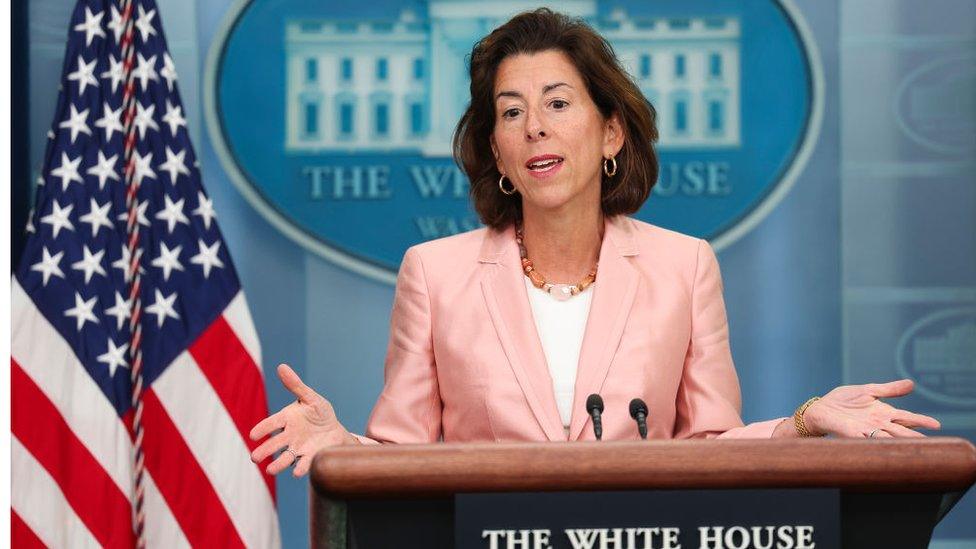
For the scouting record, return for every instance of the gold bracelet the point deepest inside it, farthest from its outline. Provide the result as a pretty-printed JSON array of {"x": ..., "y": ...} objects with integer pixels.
[{"x": 798, "y": 419}]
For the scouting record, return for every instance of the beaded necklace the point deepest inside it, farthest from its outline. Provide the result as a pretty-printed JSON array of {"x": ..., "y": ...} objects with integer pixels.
[{"x": 562, "y": 292}]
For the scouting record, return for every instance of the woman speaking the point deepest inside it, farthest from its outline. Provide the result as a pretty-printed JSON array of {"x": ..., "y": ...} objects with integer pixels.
[{"x": 501, "y": 334}]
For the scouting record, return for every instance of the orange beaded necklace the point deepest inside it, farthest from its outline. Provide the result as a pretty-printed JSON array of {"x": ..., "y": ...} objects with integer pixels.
[{"x": 561, "y": 292}]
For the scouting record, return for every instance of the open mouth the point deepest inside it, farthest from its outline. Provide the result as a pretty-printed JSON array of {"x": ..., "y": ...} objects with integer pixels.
[{"x": 541, "y": 164}]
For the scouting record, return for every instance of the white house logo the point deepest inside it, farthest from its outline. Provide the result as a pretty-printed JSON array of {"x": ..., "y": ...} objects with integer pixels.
[
  {"x": 939, "y": 352},
  {"x": 335, "y": 121}
]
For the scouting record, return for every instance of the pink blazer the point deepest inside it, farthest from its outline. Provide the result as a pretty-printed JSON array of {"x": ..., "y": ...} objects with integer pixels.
[{"x": 465, "y": 363}]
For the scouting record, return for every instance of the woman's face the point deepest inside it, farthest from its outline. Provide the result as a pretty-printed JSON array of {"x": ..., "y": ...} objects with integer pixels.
[{"x": 549, "y": 137}]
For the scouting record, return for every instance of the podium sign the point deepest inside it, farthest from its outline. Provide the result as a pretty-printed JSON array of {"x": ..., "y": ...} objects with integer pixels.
[{"x": 658, "y": 519}]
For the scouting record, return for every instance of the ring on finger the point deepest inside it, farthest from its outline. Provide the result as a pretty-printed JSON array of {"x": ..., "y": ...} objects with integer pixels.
[
  {"x": 295, "y": 455},
  {"x": 874, "y": 432}
]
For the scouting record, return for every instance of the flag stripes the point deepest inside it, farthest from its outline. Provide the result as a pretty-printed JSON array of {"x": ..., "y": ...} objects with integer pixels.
[
  {"x": 225, "y": 363},
  {"x": 21, "y": 536},
  {"x": 58, "y": 373},
  {"x": 200, "y": 419},
  {"x": 183, "y": 483},
  {"x": 94, "y": 496},
  {"x": 38, "y": 500}
]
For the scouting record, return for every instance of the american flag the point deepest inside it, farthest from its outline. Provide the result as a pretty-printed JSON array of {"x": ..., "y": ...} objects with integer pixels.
[{"x": 78, "y": 443}]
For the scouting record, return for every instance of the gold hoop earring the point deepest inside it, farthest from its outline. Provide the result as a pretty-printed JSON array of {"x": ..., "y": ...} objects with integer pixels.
[
  {"x": 501, "y": 186},
  {"x": 608, "y": 171}
]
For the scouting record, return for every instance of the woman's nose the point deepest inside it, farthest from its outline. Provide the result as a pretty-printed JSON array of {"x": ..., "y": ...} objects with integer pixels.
[{"x": 533, "y": 128}]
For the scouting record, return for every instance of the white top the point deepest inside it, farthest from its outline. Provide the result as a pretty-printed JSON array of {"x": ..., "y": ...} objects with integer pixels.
[{"x": 560, "y": 325}]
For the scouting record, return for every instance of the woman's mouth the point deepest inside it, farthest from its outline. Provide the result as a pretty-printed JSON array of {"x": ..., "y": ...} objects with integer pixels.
[{"x": 545, "y": 165}]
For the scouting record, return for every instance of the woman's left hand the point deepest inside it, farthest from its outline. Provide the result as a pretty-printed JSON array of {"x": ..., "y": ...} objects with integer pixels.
[{"x": 855, "y": 411}]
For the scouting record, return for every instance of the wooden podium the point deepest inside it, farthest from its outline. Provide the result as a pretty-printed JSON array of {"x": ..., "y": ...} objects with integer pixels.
[{"x": 892, "y": 491}]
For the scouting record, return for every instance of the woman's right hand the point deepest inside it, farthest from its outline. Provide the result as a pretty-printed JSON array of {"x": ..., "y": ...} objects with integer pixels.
[{"x": 307, "y": 426}]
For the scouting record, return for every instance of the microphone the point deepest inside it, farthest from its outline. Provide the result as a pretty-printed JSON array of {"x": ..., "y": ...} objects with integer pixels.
[
  {"x": 594, "y": 405},
  {"x": 638, "y": 411}
]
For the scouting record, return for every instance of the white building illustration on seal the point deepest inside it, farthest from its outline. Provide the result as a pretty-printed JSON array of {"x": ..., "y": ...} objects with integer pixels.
[{"x": 400, "y": 85}]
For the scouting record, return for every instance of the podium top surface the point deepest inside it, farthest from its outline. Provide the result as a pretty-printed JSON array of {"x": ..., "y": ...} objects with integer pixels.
[{"x": 933, "y": 464}]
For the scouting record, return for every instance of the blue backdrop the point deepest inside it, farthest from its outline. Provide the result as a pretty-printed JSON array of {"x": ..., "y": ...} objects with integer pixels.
[{"x": 864, "y": 271}]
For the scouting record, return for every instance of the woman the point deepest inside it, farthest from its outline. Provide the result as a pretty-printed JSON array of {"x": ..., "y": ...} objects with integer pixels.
[{"x": 485, "y": 345}]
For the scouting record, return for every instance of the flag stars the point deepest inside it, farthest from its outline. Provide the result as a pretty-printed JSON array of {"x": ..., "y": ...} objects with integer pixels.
[
  {"x": 205, "y": 209},
  {"x": 67, "y": 171},
  {"x": 163, "y": 308},
  {"x": 207, "y": 257},
  {"x": 174, "y": 165},
  {"x": 76, "y": 122},
  {"x": 49, "y": 265},
  {"x": 90, "y": 264},
  {"x": 111, "y": 121},
  {"x": 121, "y": 310},
  {"x": 85, "y": 74},
  {"x": 116, "y": 25},
  {"x": 174, "y": 117},
  {"x": 115, "y": 72},
  {"x": 144, "y": 119},
  {"x": 114, "y": 357},
  {"x": 172, "y": 213},
  {"x": 104, "y": 169},
  {"x": 168, "y": 71},
  {"x": 143, "y": 166},
  {"x": 168, "y": 260},
  {"x": 97, "y": 216},
  {"x": 144, "y": 23},
  {"x": 83, "y": 311},
  {"x": 59, "y": 218},
  {"x": 145, "y": 71},
  {"x": 92, "y": 26},
  {"x": 140, "y": 214},
  {"x": 123, "y": 262}
]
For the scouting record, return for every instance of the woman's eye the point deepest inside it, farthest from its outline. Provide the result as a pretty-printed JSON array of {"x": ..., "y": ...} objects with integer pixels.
[
  {"x": 510, "y": 113},
  {"x": 559, "y": 104}
]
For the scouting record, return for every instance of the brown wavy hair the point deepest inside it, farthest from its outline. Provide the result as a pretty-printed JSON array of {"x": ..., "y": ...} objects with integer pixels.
[{"x": 611, "y": 88}]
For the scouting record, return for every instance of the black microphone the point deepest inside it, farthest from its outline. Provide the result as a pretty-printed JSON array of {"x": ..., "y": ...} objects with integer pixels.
[
  {"x": 638, "y": 411},
  {"x": 594, "y": 405}
]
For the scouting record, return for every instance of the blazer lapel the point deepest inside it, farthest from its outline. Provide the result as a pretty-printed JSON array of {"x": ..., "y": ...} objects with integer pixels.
[
  {"x": 511, "y": 314},
  {"x": 613, "y": 297}
]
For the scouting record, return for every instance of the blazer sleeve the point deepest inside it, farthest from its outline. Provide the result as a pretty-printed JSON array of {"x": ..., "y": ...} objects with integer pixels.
[
  {"x": 709, "y": 404},
  {"x": 409, "y": 408}
]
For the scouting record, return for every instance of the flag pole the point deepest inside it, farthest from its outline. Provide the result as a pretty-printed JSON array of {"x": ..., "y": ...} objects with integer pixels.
[{"x": 133, "y": 274}]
